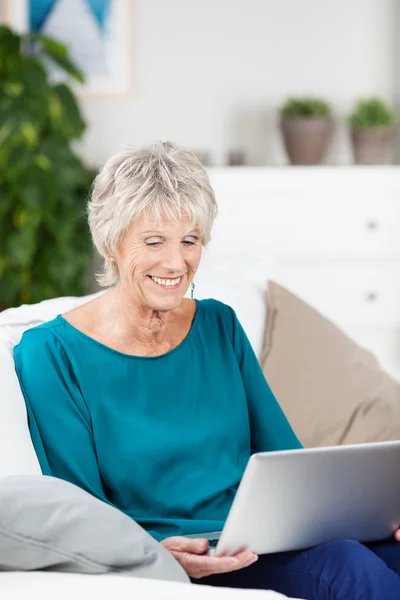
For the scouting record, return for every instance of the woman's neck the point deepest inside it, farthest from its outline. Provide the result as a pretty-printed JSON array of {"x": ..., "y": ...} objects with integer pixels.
[{"x": 135, "y": 322}]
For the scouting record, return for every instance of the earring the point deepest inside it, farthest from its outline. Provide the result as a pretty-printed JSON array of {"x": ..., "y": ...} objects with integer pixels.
[{"x": 192, "y": 286}]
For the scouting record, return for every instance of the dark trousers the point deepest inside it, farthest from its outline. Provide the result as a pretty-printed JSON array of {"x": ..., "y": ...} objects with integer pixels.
[{"x": 343, "y": 570}]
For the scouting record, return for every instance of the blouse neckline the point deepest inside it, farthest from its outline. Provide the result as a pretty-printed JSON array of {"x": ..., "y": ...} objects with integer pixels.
[{"x": 135, "y": 356}]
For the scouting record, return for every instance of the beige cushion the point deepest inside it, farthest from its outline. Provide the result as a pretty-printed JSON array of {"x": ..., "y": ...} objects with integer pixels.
[{"x": 332, "y": 391}]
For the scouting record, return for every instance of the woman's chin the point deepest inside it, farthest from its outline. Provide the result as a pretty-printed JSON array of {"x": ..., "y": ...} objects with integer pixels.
[
  {"x": 165, "y": 301},
  {"x": 165, "y": 306}
]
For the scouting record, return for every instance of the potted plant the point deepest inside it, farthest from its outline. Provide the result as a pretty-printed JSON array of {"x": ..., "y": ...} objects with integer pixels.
[
  {"x": 45, "y": 245},
  {"x": 307, "y": 126},
  {"x": 372, "y": 124}
]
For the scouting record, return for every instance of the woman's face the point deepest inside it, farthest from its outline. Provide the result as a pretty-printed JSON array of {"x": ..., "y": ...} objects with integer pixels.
[{"x": 157, "y": 263}]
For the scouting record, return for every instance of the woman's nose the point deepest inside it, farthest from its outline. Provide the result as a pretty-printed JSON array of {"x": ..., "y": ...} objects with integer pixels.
[{"x": 174, "y": 259}]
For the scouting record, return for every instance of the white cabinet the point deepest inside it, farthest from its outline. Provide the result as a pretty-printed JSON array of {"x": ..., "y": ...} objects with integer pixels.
[
  {"x": 352, "y": 292},
  {"x": 334, "y": 236}
]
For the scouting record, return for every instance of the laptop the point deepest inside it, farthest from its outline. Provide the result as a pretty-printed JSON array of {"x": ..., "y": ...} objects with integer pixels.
[{"x": 296, "y": 499}]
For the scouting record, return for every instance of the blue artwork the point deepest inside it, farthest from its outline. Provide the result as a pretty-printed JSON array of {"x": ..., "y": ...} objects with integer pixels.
[
  {"x": 39, "y": 10},
  {"x": 84, "y": 26},
  {"x": 95, "y": 33}
]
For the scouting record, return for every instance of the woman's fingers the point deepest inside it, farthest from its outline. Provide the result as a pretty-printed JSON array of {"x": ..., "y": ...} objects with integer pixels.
[
  {"x": 203, "y": 566},
  {"x": 190, "y": 553},
  {"x": 184, "y": 544},
  {"x": 224, "y": 564},
  {"x": 397, "y": 535}
]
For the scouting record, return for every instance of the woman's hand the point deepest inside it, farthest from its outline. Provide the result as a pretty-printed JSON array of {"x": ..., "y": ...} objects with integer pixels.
[
  {"x": 397, "y": 535},
  {"x": 190, "y": 553}
]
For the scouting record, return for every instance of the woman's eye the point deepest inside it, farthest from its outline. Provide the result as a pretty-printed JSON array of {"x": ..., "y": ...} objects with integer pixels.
[
  {"x": 153, "y": 242},
  {"x": 189, "y": 241}
]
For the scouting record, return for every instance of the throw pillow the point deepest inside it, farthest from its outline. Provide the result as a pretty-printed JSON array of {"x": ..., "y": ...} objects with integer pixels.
[
  {"x": 48, "y": 523},
  {"x": 332, "y": 390}
]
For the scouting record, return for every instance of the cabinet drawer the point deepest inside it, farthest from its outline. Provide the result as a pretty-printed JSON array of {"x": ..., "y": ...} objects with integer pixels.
[
  {"x": 349, "y": 294},
  {"x": 310, "y": 223}
]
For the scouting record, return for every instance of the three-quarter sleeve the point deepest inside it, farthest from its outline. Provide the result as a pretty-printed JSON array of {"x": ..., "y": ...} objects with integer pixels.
[
  {"x": 59, "y": 419},
  {"x": 270, "y": 429}
]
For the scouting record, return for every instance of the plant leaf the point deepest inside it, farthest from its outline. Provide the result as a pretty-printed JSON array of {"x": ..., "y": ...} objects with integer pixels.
[
  {"x": 58, "y": 53},
  {"x": 45, "y": 244},
  {"x": 10, "y": 48},
  {"x": 70, "y": 121},
  {"x": 371, "y": 113}
]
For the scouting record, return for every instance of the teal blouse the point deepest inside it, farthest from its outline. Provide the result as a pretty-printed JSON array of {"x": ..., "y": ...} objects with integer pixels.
[{"x": 166, "y": 438}]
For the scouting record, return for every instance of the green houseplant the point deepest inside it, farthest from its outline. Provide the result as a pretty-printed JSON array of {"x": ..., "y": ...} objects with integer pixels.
[
  {"x": 306, "y": 125},
  {"x": 372, "y": 122},
  {"x": 45, "y": 245}
]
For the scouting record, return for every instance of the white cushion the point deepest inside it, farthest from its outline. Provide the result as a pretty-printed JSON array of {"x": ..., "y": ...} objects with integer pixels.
[
  {"x": 17, "y": 320},
  {"x": 17, "y": 455}
]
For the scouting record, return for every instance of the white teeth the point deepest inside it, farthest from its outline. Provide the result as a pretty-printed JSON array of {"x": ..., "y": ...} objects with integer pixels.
[{"x": 166, "y": 282}]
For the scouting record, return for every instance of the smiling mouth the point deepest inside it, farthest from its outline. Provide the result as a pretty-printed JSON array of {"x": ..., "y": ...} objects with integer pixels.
[{"x": 167, "y": 282}]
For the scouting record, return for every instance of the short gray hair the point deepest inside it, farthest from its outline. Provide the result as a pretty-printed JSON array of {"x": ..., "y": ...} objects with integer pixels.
[{"x": 161, "y": 178}]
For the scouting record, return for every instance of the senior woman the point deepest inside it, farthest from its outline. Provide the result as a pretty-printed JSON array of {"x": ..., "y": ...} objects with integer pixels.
[{"x": 154, "y": 402}]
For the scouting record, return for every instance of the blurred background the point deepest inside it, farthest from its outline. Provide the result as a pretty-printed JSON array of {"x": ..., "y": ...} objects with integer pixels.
[
  {"x": 300, "y": 91},
  {"x": 212, "y": 74}
]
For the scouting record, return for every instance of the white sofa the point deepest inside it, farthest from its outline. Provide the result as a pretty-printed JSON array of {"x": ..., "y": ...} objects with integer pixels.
[
  {"x": 51, "y": 586},
  {"x": 17, "y": 455}
]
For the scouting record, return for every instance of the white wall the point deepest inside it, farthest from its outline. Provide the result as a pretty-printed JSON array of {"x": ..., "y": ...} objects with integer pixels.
[{"x": 211, "y": 73}]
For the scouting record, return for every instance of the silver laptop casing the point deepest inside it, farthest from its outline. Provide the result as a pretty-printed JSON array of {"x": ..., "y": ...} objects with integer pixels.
[{"x": 296, "y": 499}]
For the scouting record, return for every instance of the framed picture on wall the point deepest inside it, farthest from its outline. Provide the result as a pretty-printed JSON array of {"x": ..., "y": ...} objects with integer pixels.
[{"x": 96, "y": 32}]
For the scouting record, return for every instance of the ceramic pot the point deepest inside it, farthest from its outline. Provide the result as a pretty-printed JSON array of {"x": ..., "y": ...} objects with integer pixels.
[
  {"x": 306, "y": 139},
  {"x": 372, "y": 146}
]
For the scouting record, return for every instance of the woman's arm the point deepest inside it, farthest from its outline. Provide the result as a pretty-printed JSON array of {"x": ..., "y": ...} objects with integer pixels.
[
  {"x": 59, "y": 419},
  {"x": 270, "y": 429}
]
